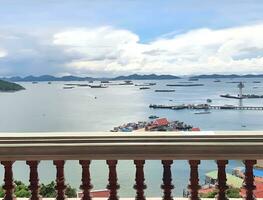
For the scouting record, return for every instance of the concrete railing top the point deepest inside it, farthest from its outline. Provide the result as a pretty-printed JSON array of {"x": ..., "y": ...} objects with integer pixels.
[{"x": 209, "y": 145}]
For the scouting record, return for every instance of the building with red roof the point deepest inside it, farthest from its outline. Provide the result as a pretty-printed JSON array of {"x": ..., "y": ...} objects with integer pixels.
[{"x": 161, "y": 122}]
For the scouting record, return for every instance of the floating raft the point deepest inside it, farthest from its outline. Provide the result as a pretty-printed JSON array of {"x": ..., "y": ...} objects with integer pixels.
[{"x": 185, "y": 85}]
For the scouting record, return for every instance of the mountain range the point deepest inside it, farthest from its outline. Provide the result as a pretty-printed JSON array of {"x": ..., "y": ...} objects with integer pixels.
[
  {"x": 77, "y": 78},
  {"x": 229, "y": 76},
  {"x": 119, "y": 78}
]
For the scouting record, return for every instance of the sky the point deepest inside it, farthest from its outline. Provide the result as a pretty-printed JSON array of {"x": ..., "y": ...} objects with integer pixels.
[{"x": 120, "y": 37}]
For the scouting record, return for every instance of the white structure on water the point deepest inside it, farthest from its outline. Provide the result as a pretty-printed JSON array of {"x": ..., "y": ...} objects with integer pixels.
[{"x": 241, "y": 86}]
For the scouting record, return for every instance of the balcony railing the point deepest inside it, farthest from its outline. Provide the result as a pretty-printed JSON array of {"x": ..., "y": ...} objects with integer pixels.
[{"x": 111, "y": 147}]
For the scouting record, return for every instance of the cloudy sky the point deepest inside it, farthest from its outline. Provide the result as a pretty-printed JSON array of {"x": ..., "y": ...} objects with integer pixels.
[{"x": 114, "y": 37}]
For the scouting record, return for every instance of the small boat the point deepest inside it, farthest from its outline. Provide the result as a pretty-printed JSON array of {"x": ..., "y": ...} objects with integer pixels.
[
  {"x": 126, "y": 83},
  {"x": 105, "y": 81},
  {"x": 193, "y": 79},
  {"x": 98, "y": 86},
  {"x": 68, "y": 87},
  {"x": 71, "y": 84},
  {"x": 83, "y": 85},
  {"x": 184, "y": 85},
  {"x": 153, "y": 117},
  {"x": 256, "y": 82},
  {"x": 34, "y": 82},
  {"x": 164, "y": 90},
  {"x": 216, "y": 81},
  {"x": 144, "y": 84},
  {"x": 152, "y": 83},
  {"x": 205, "y": 112},
  {"x": 209, "y": 100},
  {"x": 144, "y": 88},
  {"x": 49, "y": 83}
]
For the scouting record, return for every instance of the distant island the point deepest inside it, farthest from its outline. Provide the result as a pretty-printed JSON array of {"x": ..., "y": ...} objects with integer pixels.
[
  {"x": 6, "y": 86},
  {"x": 146, "y": 77},
  {"x": 77, "y": 78},
  {"x": 216, "y": 76},
  {"x": 49, "y": 78}
]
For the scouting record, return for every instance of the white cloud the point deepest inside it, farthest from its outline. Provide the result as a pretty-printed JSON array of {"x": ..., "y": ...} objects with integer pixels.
[{"x": 106, "y": 49}]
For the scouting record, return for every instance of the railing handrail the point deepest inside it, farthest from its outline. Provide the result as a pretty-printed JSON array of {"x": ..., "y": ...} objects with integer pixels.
[{"x": 227, "y": 145}]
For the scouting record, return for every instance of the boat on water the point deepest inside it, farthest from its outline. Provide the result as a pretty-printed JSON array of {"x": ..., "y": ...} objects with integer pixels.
[
  {"x": 105, "y": 81},
  {"x": 145, "y": 88},
  {"x": 152, "y": 83},
  {"x": 231, "y": 96},
  {"x": 216, "y": 81},
  {"x": 187, "y": 82},
  {"x": 98, "y": 86},
  {"x": 193, "y": 79},
  {"x": 126, "y": 83},
  {"x": 205, "y": 112},
  {"x": 71, "y": 84},
  {"x": 145, "y": 84},
  {"x": 164, "y": 90},
  {"x": 256, "y": 82},
  {"x": 83, "y": 85},
  {"x": 68, "y": 87},
  {"x": 153, "y": 117},
  {"x": 184, "y": 85},
  {"x": 34, "y": 82},
  {"x": 49, "y": 82},
  {"x": 244, "y": 96}
]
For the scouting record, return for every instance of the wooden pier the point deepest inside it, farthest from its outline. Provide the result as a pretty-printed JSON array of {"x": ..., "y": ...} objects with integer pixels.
[{"x": 205, "y": 107}]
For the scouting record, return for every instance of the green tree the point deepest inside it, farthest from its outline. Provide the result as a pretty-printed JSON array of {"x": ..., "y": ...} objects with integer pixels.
[
  {"x": 47, "y": 191},
  {"x": 21, "y": 190},
  {"x": 233, "y": 193},
  {"x": 2, "y": 192},
  {"x": 50, "y": 191}
]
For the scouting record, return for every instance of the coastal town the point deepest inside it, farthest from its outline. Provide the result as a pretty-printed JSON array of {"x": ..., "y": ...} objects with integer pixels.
[{"x": 161, "y": 124}]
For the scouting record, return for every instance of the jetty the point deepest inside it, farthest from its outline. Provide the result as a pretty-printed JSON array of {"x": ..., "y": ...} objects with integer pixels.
[
  {"x": 205, "y": 107},
  {"x": 164, "y": 90},
  {"x": 184, "y": 85},
  {"x": 241, "y": 95}
]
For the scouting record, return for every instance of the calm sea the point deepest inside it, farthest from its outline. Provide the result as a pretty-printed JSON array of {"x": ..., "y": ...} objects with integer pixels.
[{"x": 43, "y": 108}]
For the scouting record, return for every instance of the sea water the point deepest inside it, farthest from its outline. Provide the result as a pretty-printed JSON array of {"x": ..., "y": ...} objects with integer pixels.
[{"x": 46, "y": 107}]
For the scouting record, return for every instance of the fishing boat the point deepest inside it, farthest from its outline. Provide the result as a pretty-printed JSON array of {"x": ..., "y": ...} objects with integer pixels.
[
  {"x": 83, "y": 85},
  {"x": 144, "y": 88},
  {"x": 164, "y": 90},
  {"x": 105, "y": 81},
  {"x": 98, "y": 86},
  {"x": 193, "y": 79},
  {"x": 205, "y": 112},
  {"x": 68, "y": 87},
  {"x": 126, "y": 83},
  {"x": 153, "y": 117},
  {"x": 184, "y": 85},
  {"x": 71, "y": 84},
  {"x": 144, "y": 84}
]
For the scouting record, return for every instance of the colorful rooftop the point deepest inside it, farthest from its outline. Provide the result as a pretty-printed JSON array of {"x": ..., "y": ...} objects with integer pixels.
[{"x": 233, "y": 181}]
